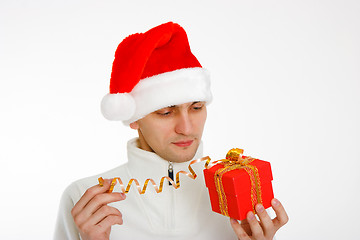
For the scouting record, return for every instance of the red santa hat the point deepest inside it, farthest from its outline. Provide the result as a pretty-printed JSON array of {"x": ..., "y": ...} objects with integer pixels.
[{"x": 153, "y": 70}]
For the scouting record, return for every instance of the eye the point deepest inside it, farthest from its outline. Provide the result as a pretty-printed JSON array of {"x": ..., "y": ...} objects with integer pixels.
[
  {"x": 198, "y": 106},
  {"x": 164, "y": 111}
]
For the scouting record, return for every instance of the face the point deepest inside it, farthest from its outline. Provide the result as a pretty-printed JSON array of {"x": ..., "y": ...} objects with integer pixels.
[{"x": 174, "y": 132}]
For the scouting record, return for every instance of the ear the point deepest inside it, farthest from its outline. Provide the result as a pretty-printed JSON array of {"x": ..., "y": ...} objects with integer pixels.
[{"x": 134, "y": 125}]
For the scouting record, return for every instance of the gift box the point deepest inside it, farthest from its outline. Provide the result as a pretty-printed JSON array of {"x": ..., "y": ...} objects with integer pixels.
[{"x": 236, "y": 184}]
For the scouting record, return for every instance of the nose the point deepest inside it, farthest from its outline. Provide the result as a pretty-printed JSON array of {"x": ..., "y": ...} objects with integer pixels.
[{"x": 183, "y": 124}]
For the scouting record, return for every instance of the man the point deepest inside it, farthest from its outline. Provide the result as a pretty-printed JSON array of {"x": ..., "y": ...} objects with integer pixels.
[{"x": 158, "y": 88}]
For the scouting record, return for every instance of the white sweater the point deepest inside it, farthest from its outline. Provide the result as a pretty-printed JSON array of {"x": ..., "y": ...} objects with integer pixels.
[{"x": 183, "y": 213}]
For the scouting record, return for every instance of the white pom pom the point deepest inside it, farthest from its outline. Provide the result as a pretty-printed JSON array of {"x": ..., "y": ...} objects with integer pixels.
[{"x": 118, "y": 107}]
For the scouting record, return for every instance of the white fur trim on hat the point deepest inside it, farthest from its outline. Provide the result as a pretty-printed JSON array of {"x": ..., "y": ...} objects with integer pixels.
[
  {"x": 118, "y": 107},
  {"x": 159, "y": 91}
]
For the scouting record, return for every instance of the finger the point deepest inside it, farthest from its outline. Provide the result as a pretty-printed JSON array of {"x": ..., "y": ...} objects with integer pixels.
[
  {"x": 102, "y": 213},
  {"x": 109, "y": 221},
  {"x": 245, "y": 225},
  {"x": 88, "y": 195},
  {"x": 96, "y": 203},
  {"x": 255, "y": 227},
  {"x": 239, "y": 231},
  {"x": 281, "y": 215},
  {"x": 265, "y": 220}
]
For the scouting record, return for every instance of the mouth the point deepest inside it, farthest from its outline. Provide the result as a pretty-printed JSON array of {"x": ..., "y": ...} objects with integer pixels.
[{"x": 183, "y": 143}]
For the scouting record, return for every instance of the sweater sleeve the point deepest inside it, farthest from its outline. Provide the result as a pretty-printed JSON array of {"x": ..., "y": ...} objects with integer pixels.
[{"x": 65, "y": 227}]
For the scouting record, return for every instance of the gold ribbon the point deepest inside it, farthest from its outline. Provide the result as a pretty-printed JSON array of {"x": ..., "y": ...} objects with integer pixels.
[
  {"x": 235, "y": 160},
  {"x": 159, "y": 189}
]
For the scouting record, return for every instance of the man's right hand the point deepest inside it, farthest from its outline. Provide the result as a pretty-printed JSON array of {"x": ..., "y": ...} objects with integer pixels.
[{"x": 92, "y": 216}]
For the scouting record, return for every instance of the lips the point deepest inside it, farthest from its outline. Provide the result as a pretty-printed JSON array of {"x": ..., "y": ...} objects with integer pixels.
[{"x": 183, "y": 143}]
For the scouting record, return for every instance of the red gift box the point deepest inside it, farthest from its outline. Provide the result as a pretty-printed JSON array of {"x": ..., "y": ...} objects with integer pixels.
[{"x": 238, "y": 188}]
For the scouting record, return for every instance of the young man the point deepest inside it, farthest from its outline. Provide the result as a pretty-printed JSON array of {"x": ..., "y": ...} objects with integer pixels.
[{"x": 159, "y": 88}]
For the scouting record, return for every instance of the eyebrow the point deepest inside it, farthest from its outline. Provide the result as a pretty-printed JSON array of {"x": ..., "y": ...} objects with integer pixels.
[{"x": 172, "y": 106}]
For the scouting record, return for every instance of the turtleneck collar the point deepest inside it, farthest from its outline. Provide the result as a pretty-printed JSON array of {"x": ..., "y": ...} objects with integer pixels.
[{"x": 144, "y": 164}]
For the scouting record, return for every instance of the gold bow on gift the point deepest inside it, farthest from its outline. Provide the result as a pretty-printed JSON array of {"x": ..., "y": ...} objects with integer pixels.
[{"x": 236, "y": 160}]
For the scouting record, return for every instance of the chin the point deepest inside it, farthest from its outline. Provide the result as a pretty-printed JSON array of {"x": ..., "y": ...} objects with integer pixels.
[{"x": 184, "y": 155}]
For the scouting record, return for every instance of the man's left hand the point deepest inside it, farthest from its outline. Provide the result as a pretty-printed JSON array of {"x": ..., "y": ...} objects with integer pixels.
[{"x": 265, "y": 229}]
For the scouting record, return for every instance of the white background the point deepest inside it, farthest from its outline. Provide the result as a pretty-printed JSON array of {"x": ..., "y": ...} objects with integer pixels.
[{"x": 286, "y": 82}]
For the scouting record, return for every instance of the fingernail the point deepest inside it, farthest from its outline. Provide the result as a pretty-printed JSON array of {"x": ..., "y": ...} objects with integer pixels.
[
  {"x": 275, "y": 202},
  {"x": 251, "y": 216},
  {"x": 233, "y": 220},
  {"x": 259, "y": 208}
]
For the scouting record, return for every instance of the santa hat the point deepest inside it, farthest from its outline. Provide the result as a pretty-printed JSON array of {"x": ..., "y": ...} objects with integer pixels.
[{"x": 153, "y": 70}]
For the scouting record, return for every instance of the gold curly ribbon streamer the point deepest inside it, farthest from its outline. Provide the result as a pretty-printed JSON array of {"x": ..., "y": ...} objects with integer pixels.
[
  {"x": 235, "y": 160},
  {"x": 159, "y": 189}
]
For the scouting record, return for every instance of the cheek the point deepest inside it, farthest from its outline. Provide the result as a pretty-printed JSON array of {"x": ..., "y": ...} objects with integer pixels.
[
  {"x": 164, "y": 131},
  {"x": 201, "y": 120},
  {"x": 156, "y": 133}
]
